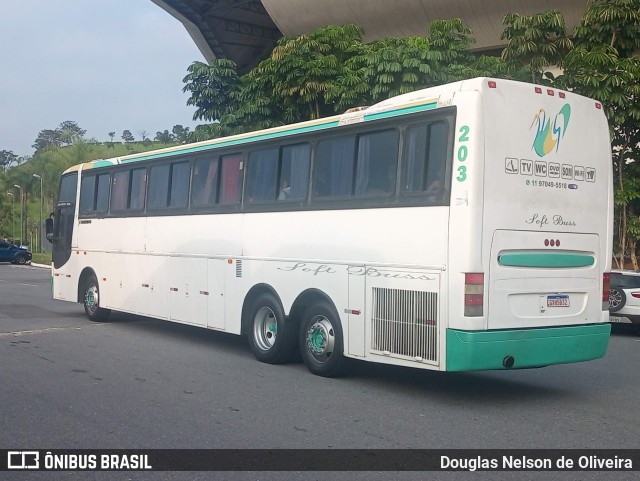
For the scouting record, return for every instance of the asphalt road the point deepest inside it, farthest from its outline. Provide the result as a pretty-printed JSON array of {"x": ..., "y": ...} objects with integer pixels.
[{"x": 68, "y": 383}]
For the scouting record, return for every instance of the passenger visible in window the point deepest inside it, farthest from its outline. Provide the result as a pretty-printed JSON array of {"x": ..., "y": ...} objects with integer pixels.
[
  {"x": 285, "y": 190},
  {"x": 435, "y": 185}
]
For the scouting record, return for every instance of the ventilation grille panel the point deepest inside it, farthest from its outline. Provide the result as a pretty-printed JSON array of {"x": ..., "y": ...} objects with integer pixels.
[{"x": 405, "y": 323}]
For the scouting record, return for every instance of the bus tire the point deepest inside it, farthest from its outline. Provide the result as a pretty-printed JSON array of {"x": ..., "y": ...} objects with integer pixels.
[
  {"x": 272, "y": 336},
  {"x": 321, "y": 341},
  {"x": 91, "y": 301}
]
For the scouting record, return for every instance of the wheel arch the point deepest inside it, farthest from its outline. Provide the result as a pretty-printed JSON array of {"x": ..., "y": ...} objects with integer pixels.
[
  {"x": 253, "y": 294},
  {"x": 307, "y": 298},
  {"x": 86, "y": 273}
]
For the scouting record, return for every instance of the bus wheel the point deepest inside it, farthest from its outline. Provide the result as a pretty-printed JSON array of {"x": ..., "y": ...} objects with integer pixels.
[
  {"x": 321, "y": 344},
  {"x": 91, "y": 301},
  {"x": 272, "y": 337}
]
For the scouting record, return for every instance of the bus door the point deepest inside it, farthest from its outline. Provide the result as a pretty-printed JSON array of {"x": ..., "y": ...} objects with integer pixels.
[
  {"x": 63, "y": 237},
  {"x": 64, "y": 220}
]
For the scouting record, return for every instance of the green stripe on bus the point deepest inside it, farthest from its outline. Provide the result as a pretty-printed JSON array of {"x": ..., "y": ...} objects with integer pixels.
[
  {"x": 404, "y": 111},
  {"x": 546, "y": 259},
  {"x": 483, "y": 350},
  {"x": 229, "y": 143},
  {"x": 273, "y": 135}
]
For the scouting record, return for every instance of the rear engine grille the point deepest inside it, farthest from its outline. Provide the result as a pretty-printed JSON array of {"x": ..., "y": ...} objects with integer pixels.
[{"x": 405, "y": 323}]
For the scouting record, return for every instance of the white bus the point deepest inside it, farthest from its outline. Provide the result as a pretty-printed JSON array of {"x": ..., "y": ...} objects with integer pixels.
[{"x": 460, "y": 227}]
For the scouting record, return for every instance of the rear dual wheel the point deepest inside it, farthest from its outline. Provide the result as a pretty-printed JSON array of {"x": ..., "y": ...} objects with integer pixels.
[
  {"x": 272, "y": 336},
  {"x": 321, "y": 341}
]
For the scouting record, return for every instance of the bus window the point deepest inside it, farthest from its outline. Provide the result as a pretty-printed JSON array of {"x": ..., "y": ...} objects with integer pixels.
[
  {"x": 262, "y": 173},
  {"x": 377, "y": 160},
  {"x": 120, "y": 190},
  {"x": 204, "y": 184},
  {"x": 334, "y": 167},
  {"x": 102, "y": 196},
  {"x": 179, "y": 195},
  {"x": 294, "y": 172},
  {"x": 231, "y": 181},
  {"x": 87, "y": 194},
  {"x": 138, "y": 182},
  {"x": 158, "y": 186},
  {"x": 425, "y": 158}
]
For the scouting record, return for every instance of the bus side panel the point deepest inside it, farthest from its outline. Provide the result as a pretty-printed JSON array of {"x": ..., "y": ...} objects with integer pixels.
[
  {"x": 353, "y": 256},
  {"x": 467, "y": 204}
]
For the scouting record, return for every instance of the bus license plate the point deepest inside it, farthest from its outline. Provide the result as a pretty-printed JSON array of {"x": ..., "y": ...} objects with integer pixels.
[{"x": 558, "y": 301}]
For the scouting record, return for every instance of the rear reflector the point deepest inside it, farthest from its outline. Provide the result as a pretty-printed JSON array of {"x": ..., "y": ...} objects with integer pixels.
[
  {"x": 636, "y": 295},
  {"x": 474, "y": 294},
  {"x": 492, "y": 84},
  {"x": 606, "y": 284}
]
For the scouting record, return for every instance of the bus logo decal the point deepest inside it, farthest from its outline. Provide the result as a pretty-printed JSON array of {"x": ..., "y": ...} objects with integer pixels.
[{"x": 548, "y": 134}]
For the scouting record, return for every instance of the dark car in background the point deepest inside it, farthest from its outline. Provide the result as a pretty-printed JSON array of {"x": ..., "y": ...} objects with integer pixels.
[{"x": 14, "y": 254}]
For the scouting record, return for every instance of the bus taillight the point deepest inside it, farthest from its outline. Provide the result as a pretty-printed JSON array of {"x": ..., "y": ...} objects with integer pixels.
[
  {"x": 473, "y": 294},
  {"x": 606, "y": 284}
]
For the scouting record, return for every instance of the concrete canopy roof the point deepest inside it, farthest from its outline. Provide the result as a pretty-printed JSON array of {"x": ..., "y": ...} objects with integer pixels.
[{"x": 246, "y": 31}]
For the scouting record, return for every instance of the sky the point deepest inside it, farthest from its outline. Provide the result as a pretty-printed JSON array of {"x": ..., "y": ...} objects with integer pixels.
[{"x": 108, "y": 65}]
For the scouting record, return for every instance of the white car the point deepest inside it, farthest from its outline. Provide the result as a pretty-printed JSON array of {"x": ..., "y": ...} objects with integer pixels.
[{"x": 624, "y": 297}]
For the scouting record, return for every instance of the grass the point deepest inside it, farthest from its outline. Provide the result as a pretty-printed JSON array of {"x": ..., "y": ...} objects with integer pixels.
[{"x": 41, "y": 258}]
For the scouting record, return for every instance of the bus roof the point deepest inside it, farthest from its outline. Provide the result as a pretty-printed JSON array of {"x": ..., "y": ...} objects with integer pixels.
[{"x": 420, "y": 100}]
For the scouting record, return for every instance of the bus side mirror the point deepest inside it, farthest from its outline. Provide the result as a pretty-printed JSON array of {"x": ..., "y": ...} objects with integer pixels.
[{"x": 48, "y": 225}]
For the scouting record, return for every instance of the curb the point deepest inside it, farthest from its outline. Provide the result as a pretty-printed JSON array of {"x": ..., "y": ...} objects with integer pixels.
[{"x": 45, "y": 266}]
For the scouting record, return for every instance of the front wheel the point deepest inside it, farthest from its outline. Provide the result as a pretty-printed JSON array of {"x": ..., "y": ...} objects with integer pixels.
[
  {"x": 20, "y": 259},
  {"x": 321, "y": 343},
  {"x": 91, "y": 301}
]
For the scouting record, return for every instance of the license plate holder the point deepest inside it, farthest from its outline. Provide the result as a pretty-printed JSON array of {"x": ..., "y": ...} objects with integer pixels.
[{"x": 558, "y": 300}]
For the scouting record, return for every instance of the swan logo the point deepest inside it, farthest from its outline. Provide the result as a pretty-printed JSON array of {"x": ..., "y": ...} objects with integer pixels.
[{"x": 550, "y": 133}]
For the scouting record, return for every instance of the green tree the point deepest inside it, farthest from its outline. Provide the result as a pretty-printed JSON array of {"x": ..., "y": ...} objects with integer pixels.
[
  {"x": 213, "y": 88},
  {"x": 165, "y": 137},
  {"x": 205, "y": 132},
  {"x": 7, "y": 157},
  {"x": 180, "y": 133},
  {"x": 604, "y": 66},
  {"x": 396, "y": 66},
  {"x": 310, "y": 69},
  {"x": 47, "y": 139},
  {"x": 70, "y": 131},
  {"x": 127, "y": 136},
  {"x": 110, "y": 144},
  {"x": 538, "y": 41}
]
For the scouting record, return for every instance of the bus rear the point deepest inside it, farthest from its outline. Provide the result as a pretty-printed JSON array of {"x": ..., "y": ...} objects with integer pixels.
[{"x": 537, "y": 291}]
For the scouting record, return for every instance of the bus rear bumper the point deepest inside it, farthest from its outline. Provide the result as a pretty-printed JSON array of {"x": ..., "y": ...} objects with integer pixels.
[{"x": 524, "y": 348}]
